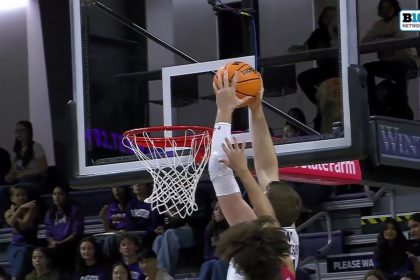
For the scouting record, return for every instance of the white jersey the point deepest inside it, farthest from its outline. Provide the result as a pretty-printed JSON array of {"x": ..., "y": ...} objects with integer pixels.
[{"x": 293, "y": 240}]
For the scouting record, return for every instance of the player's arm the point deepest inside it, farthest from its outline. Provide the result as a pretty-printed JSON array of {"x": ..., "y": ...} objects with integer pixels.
[
  {"x": 234, "y": 208},
  {"x": 237, "y": 161},
  {"x": 265, "y": 159}
]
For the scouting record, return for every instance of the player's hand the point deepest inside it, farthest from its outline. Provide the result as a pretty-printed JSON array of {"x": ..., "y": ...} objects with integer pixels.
[
  {"x": 226, "y": 98},
  {"x": 236, "y": 155},
  {"x": 257, "y": 103}
]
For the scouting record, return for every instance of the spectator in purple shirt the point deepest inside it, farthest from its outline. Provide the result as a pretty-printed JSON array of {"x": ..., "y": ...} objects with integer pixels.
[
  {"x": 129, "y": 247},
  {"x": 22, "y": 217},
  {"x": 113, "y": 214},
  {"x": 114, "y": 220},
  {"x": 64, "y": 227},
  {"x": 140, "y": 216},
  {"x": 90, "y": 264}
]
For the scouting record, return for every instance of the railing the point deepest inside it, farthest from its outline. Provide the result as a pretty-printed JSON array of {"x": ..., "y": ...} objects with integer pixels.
[{"x": 310, "y": 221}]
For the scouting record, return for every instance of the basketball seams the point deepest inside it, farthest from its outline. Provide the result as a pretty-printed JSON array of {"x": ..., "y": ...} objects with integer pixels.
[
  {"x": 248, "y": 83},
  {"x": 252, "y": 79}
]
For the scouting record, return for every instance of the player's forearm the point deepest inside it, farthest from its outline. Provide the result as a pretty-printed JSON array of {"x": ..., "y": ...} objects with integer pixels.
[
  {"x": 265, "y": 159},
  {"x": 224, "y": 116},
  {"x": 259, "y": 200}
]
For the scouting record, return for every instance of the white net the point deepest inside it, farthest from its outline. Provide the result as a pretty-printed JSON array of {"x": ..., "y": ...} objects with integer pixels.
[{"x": 175, "y": 165}]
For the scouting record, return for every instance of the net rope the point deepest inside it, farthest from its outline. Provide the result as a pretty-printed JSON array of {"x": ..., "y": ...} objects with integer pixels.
[{"x": 175, "y": 169}]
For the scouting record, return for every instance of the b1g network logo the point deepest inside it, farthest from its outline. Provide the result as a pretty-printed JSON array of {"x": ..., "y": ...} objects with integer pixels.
[{"x": 410, "y": 20}]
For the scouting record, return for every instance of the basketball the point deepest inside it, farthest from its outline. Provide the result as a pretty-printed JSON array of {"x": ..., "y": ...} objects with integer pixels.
[{"x": 249, "y": 81}]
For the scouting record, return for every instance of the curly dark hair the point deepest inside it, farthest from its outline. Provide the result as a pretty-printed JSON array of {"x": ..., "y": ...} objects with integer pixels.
[
  {"x": 256, "y": 248},
  {"x": 286, "y": 202},
  {"x": 394, "y": 3},
  {"x": 395, "y": 248},
  {"x": 377, "y": 273}
]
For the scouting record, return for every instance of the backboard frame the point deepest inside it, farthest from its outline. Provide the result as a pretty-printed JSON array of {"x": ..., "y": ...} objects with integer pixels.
[{"x": 350, "y": 146}]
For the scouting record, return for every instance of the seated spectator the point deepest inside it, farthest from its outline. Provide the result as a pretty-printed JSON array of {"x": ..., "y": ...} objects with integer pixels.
[
  {"x": 389, "y": 103},
  {"x": 64, "y": 226},
  {"x": 410, "y": 276},
  {"x": 329, "y": 104},
  {"x": 290, "y": 130},
  {"x": 41, "y": 261},
  {"x": 4, "y": 165},
  {"x": 120, "y": 272},
  {"x": 140, "y": 216},
  {"x": 29, "y": 166},
  {"x": 23, "y": 218},
  {"x": 148, "y": 264},
  {"x": 325, "y": 36},
  {"x": 129, "y": 248},
  {"x": 414, "y": 251},
  {"x": 374, "y": 275},
  {"x": 390, "y": 253},
  {"x": 213, "y": 268},
  {"x": 172, "y": 236},
  {"x": 392, "y": 64},
  {"x": 113, "y": 214},
  {"x": 89, "y": 262},
  {"x": 113, "y": 218}
]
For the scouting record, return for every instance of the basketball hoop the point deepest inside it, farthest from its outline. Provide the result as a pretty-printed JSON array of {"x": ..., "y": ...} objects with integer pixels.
[{"x": 175, "y": 162}]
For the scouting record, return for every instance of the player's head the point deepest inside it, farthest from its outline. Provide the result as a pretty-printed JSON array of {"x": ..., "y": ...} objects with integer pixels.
[
  {"x": 256, "y": 247},
  {"x": 286, "y": 202}
]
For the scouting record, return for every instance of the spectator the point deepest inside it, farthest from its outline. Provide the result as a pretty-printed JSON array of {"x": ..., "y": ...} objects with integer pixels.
[
  {"x": 374, "y": 275},
  {"x": 390, "y": 252},
  {"x": 64, "y": 226},
  {"x": 325, "y": 36},
  {"x": 213, "y": 268},
  {"x": 113, "y": 215},
  {"x": 41, "y": 261},
  {"x": 414, "y": 252},
  {"x": 329, "y": 104},
  {"x": 148, "y": 264},
  {"x": 388, "y": 102},
  {"x": 113, "y": 218},
  {"x": 120, "y": 272},
  {"x": 29, "y": 166},
  {"x": 89, "y": 262},
  {"x": 172, "y": 236},
  {"x": 290, "y": 130},
  {"x": 394, "y": 64},
  {"x": 23, "y": 219},
  {"x": 4, "y": 165},
  {"x": 129, "y": 247},
  {"x": 140, "y": 216}
]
